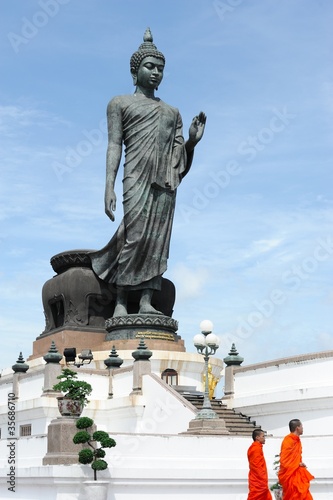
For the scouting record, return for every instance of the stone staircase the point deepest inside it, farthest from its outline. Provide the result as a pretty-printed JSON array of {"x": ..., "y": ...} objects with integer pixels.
[{"x": 236, "y": 423}]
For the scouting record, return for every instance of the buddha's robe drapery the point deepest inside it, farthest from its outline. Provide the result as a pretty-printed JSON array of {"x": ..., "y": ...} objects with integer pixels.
[
  {"x": 258, "y": 478},
  {"x": 295, "y": 480},
  {"x": 155, "y": 161}
]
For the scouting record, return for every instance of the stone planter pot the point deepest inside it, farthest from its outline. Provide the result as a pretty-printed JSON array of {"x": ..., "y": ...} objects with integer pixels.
[
  {"x": 69, "y": 407},
  {"x": 278, "y": 494},
  {"x": 98, "y": 490}
]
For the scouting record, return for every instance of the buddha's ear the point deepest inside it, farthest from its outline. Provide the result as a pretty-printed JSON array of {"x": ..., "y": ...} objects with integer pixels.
[{"x": 134, "y": 76}]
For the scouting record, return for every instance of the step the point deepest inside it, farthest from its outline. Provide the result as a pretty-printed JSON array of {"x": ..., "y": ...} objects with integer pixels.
[{"x": 236, "y": 423}]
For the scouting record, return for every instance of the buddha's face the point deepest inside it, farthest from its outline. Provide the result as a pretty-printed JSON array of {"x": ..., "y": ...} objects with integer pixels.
[{"x": 150, "y": 72}]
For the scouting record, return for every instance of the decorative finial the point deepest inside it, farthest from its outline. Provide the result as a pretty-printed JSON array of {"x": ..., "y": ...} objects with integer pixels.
[
  {"x": 113, "y": 361},
  {"x": 233, "y": 358},
  {"x": 20, "y": 366},
  {"x": 142, "y": 353},
  {"x": 52, "y": 356}
]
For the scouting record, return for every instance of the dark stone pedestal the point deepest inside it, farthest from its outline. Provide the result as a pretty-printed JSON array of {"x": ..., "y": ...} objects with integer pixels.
[
  {"x": 77, "y": 299},
  {"x": 149, "y": 326},
  {"x": 79, "y": 308}
]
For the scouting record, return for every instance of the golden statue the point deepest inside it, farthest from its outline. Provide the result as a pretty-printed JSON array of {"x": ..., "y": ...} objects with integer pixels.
[{"x": 212, "y": 381}]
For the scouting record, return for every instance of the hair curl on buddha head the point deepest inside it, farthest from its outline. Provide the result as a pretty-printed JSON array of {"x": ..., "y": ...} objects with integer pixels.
[{"x": 146, "y": 49}]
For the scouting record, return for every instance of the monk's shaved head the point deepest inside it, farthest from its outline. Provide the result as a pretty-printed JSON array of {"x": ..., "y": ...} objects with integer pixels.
[
  {"x": 256, "y": 433},
  {"x": 293, "y": 424}
]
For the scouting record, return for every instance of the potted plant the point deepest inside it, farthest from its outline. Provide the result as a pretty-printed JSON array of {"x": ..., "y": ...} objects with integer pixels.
[
  {"x": 276, "y": 488},
  {"x": 93, "y": 455},
  {"x": 75, "y": 393}
]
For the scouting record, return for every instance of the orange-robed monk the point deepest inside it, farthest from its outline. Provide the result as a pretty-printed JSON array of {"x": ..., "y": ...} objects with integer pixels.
[
  {"x": 258, "y": 478},
  {"x": 293, "y": 474}
]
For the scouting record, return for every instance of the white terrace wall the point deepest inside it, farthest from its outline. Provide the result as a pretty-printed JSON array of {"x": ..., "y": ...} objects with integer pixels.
[
  {"x": 159, "y": 409},
  {"x": 112, "y": 404},
  {"x": 180, "y": 467},
  {"x": 152, "y": 459},
  {"x": 273, "y": 393}
]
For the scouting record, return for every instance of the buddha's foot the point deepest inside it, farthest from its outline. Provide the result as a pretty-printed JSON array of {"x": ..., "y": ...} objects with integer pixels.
[
  {"x": 120, "y": 310},
  {"x": 148, "y": 309}
]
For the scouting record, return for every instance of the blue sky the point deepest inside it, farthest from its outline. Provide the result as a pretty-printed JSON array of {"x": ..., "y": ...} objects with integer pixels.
[{"x": 252, "y": 243}]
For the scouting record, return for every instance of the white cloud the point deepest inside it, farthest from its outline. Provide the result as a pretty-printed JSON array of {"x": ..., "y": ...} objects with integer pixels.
[
  {"x": 14, "y": 118},
  {"x": 190, "y": 282},
  {"x": 267, "y": 245}
]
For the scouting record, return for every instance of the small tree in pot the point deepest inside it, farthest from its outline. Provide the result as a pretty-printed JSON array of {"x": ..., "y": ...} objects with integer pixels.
[
  {"x": 276, "y": 488},
  {"x": 75, "y": 393},
  {"x": 93, "y": 455}
]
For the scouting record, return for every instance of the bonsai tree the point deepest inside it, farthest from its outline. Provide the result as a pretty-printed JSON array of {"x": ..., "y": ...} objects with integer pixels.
[
  {"x": 93, "y": 455},
  {"x": 76, "y": 390}
]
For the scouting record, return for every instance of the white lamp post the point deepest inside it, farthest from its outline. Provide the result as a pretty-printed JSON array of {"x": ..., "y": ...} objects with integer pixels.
[{"x": 206, "y": 344}]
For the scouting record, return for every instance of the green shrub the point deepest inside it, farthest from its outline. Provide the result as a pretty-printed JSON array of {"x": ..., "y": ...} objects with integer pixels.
[
  {"x": 100, "y": 435},
  {"x": 276, "y": 466},
  {"x": 108, "y": 443},
  {"x": 86, "y": 456},
  {"x": 99, "y": 465},
  {"x": 100, "y": 453},
  {"x": 94, "y": 454},
  {"x": 77, "y": 390},
  {"x": 84, "y": 423},
  {"x": 81, "y": 437}
]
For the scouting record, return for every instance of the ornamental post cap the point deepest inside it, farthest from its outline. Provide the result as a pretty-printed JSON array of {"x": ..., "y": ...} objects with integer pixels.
[
  {"x": 142, "y": 353},
  {"x": 53, "y": 355},
  {"x": 233, "y": 358},
  {"x": 113, "y": 361},
  {"x": 20, "y": 365}
]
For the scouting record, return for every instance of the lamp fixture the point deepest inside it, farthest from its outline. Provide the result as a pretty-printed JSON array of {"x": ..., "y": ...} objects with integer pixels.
[
  {"x": 85, "y": 357},
  {"x": 206, "y": 344}
]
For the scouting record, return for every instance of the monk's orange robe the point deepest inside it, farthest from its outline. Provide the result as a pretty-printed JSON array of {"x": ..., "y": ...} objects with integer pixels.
[
  {"x": 295, "y": 480},
  {"x": 258, "y": 478}
]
